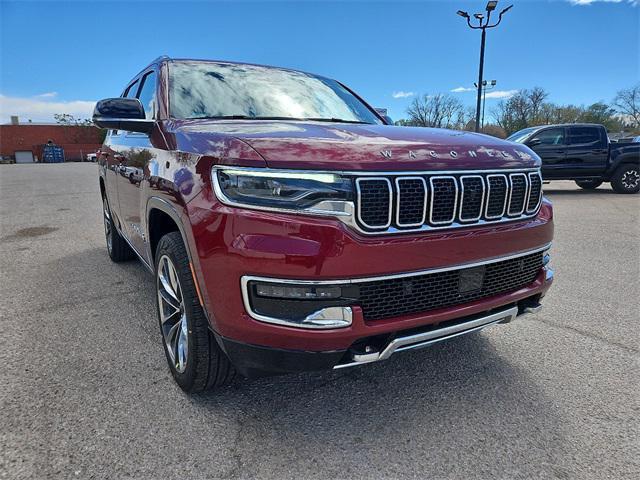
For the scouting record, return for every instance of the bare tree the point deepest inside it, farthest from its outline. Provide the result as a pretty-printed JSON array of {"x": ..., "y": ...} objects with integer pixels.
[
  {"x": 440, "y": 111},
  {"x": 627, "y": 102}
]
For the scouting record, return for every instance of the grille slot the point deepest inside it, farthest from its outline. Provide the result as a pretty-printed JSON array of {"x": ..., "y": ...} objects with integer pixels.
[
  {"x": 472, "y": 197},
  {"x": 497, "y": 196},
  {"x": 411, "y": 207},
  {"x": 535, "y": 192},
  {"x": 518, "y": 193},
  {"x": 444, "y": 199},
  {"x": 375, "y": 195},
  {"x": 403, "y": 296}
]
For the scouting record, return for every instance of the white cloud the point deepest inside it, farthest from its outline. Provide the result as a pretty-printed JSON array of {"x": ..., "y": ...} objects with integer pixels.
[
  {"x": 401, "y": 94},
  {"x": 589, "y": 2},
  {"x": 463, "y": 89},
  {"x": 41, "y": 109},
  {"x": 48, "y": 95},
  {"x": 501, "y": 93}
]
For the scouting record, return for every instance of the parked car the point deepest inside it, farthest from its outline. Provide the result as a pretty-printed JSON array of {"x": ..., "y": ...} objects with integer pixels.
[
  {"x": 289, "y": 228},
  {"x": 583, "y": 152},
  {"x": 92, "y": 157}
]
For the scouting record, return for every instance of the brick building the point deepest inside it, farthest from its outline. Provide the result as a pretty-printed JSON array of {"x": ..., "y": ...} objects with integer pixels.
[{"x": 25, "y": 142}]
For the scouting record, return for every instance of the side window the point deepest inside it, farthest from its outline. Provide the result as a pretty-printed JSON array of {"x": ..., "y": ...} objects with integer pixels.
[
  {"x": 147, "y": 95},
  {"x": 552, "y": 136},
  {"x": 583, "y": 135}
]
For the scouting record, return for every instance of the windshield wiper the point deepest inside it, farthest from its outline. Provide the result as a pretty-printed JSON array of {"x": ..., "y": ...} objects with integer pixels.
[
  {"x": 309, "y": 119},
  {"x": 241, "y": 117},
  {"x": 336, "y": 120}
]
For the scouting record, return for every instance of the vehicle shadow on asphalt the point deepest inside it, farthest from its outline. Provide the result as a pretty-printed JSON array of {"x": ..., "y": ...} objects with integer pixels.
[
  {"x": 460, "y": 393},
  {"x": 580, "y": 192}
]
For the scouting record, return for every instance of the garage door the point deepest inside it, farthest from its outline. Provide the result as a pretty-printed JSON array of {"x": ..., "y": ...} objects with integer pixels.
[{"x": 24, "y": 157}]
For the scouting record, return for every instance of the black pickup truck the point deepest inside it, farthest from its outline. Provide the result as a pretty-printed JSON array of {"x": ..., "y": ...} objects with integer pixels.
[{"x": 583, "y": 152}]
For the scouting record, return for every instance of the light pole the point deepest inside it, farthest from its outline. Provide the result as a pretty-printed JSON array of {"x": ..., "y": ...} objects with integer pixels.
[
  {"x": 483, "y": 24},
  {"x": 486, "y": 85}
]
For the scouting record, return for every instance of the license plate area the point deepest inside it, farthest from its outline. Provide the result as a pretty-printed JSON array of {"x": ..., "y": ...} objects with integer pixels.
[{"x": 471, "y": 279}]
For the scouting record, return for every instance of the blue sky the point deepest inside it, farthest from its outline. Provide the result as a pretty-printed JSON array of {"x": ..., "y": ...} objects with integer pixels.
[{"x": 62, "y": 56}]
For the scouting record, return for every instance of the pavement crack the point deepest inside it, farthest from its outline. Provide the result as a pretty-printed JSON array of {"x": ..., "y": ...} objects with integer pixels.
[{"x": 591, "y": 335}]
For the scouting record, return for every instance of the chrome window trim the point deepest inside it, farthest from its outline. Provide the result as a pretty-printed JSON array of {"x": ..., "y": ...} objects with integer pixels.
[
  {"x": 506, "y": 196},
  {"x": 455, "y": 203},
  {"x": 482, "y": 199},
  {"x": 424, "y": 205},
  {"x": 526, "y": 191},
  {"x": 539, "y": 202},
  {"x": 350, "y": 281},
  {"x": 359, "y": 202}
]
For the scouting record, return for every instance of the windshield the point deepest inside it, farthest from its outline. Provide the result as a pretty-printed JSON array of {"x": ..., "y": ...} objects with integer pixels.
[
  {"x": 225, "y": 90},
  {"x": 521, "y": 135}
]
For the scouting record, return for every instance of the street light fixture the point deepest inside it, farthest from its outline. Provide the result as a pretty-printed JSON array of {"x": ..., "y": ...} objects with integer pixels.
[{"x": 491, "y": 6}]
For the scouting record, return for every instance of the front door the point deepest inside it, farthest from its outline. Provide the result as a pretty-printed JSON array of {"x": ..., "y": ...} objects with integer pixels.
[
  {"x": 550, "y": 145},
  {"x": 136, "y": 151}
]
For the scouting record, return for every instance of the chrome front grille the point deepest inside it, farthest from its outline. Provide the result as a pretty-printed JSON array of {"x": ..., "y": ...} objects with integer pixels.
[{"x": 399, "y": 203}]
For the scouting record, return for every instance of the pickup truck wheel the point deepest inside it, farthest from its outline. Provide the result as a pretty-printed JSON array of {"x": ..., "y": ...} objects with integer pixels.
[
  {"x": 626, "y": 179},
  {"x": 589, "y": 184},
  {"x": 118, "y": 248},
  {"x": 196, "y": 361}
]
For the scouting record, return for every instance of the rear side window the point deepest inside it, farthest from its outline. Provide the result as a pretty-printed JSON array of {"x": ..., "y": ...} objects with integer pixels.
[
  {"x": 582, "y": 135},
  {"x": 147, "y": 94},
  {"x": 552, "y": 136}
]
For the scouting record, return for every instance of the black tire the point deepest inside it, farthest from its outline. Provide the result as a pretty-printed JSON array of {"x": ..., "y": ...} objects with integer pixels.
[
  {"x": 626, "y": 179},
  {"x": 589, "y": 184},
  {"x": 206, "y": 367},
  {"x": 118, "y": 248}
]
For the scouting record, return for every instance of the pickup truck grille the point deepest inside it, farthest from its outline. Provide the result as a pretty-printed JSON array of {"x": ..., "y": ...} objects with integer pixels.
[
  {"x": 403, "y": 296},
  {"x": 393, "y": 204}
]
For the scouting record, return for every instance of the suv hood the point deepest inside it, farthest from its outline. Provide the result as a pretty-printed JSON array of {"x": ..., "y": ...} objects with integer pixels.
[{"x": 336, "y": 146}]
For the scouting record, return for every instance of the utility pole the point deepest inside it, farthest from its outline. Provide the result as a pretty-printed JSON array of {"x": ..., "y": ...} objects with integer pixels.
[{"x": 483, "y": 24}]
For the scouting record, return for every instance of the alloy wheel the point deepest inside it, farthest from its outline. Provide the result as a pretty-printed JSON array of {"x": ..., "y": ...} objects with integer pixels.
[
  {"x": 630, "y": 179},
  {"x": 173, "y": 317}
]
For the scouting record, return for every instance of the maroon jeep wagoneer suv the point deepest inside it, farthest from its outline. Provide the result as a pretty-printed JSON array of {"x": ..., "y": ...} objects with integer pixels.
[{"x": 289, "y": 227}]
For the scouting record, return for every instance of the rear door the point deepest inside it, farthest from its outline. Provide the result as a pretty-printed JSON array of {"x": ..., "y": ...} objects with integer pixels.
[
  {"x": 587, "y": 151},
  {"x": 550, "y": 145}
]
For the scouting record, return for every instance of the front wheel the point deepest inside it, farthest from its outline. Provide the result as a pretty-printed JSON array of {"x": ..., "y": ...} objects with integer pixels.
[
  {"x": 589, "y": 184},
  {"x": 196, "y": 361},
  {"x": 626, "y": 179}
]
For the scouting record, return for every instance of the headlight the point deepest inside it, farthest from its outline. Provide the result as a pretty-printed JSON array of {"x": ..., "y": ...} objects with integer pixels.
[{"x": 280, "y": 189}]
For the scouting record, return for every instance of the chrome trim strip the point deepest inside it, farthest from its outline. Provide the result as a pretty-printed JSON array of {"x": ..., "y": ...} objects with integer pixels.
[
  {"x": 455, "y": 202},
  {"x": 359, "y": 201},
  {"x": 537, "y": 206},
  {"x": 506, "y": 195},
  {"x": 526, "y": 191},
  {"x": 350, "y": 281},
  {"x": 378, "y": 173},
  {"x": 462, "y": 178},
  {"x": 424, "y": 204},
  {"x": 420, "y": 340}
]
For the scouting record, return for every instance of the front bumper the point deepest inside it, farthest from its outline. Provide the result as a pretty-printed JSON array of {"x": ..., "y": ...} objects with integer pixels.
[
  {"x": 256, "y": 361},
  {"x": 232, "y": 243}
]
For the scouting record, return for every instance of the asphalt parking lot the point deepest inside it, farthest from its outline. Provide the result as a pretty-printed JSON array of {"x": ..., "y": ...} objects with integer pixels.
[{"x": 86, "y": 392}]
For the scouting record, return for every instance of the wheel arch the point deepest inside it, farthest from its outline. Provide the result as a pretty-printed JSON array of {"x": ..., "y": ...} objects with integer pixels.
[{"x": 163, "y": 218}]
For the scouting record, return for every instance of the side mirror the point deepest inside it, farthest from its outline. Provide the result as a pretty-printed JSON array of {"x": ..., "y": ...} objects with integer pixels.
[
  {"x": 533, "y": 142},
  {"x": 388, "y": 119},
  {"x": 122, "y": 114}
]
